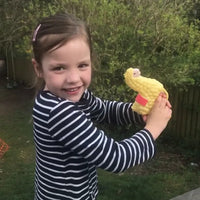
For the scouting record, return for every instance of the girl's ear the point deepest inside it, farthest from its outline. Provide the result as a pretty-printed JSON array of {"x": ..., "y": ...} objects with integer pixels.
[{"x": 37, "y": 68}]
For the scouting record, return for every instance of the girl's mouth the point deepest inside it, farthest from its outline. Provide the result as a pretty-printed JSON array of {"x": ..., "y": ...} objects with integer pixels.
[{"x": 72, "y": 90}]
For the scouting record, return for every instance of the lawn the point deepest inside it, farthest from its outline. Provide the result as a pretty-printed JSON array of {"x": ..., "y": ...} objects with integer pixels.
[{"x": 169, "y": 174}]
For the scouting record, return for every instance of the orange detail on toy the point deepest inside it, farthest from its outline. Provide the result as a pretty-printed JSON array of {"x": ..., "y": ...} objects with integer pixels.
[
  {"x": 141, "y": 100},
  {"x": 3, "y": 148}
]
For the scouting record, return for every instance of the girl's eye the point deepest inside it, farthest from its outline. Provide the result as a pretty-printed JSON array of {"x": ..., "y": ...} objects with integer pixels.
[
  {"x": 59, "y": 68},
  {"x": 83, "y": 65}
]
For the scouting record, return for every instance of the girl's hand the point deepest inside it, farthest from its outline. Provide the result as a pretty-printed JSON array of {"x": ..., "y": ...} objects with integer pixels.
[
  {"x": 144, "y": 117},
  {"x": 162, "y": 94},
  {"x": 159, "y": 116}
]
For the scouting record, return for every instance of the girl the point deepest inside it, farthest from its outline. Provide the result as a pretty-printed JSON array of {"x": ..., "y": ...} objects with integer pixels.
[{"x": 69, "y": 147}]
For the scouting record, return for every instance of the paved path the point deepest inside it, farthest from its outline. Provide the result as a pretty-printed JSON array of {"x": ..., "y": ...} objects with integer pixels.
[{"x": 192, "y": 195}]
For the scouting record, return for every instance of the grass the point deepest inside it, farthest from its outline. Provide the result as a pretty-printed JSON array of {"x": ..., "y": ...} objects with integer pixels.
[
  {"x": 17, "y": 164},
  {"x": 169, "y": 174},
  {"x": 157, "y": 186}
]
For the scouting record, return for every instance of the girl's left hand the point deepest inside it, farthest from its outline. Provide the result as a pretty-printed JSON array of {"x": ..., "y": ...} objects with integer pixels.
[{"x": 168, "y": 104}]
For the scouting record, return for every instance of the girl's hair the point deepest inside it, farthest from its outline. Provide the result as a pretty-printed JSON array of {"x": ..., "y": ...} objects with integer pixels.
[{"x": 53, "y": 32}]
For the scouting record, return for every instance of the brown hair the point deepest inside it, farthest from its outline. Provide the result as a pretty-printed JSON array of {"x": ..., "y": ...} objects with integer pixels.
[{"x": 53, "y": 32}]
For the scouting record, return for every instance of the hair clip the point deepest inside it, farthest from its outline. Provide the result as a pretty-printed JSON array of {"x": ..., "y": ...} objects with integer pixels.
[{"x": 35, "y": 33}]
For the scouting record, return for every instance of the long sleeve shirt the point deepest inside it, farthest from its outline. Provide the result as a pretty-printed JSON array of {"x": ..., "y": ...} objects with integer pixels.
[{"x": 69, "y": 147}]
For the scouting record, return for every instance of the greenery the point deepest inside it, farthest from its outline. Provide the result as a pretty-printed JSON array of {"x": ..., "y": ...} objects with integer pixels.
[
  {"x": 161, "y": 37},
  {"x": 167, "y": 175}
]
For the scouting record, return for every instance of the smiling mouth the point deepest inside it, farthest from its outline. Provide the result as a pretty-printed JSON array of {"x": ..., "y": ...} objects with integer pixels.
[{"x": 72, "y": 90}]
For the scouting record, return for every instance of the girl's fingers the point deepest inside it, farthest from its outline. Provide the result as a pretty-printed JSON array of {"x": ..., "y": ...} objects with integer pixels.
[
  {"x": 163, "y": 95},
  {"x": 161, "y": 101},
  {"x": 144, "y": 117},
  {"x": 169, "y": 104}
]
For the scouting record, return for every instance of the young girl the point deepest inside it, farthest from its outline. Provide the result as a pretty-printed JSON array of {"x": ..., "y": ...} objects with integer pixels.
[{"x": 69, "y": 147}]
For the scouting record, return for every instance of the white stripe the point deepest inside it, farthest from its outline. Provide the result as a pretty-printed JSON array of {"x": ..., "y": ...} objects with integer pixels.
[
  {"x": 41, "y": 113},
  {"x": 108, "y": 152},
  {"x": 74, "y": 130},
  {"x": 125, "y": 158},
  {"x": 62, "y": 111},
  {"x": 60, "y": 195},
  {"x": 42, "y": 105},
  {"x": 94, "y": 150},
  {"x": 114, "y": 155},
  {"x": 49, "y": 100},
  {"x": 60, "y": 121},
  {"x": 40, "y": 126},
  {"x": 41, "y": 120},
  {"x": 66, "y": 126},
  {"x": 63, "y": 173}
]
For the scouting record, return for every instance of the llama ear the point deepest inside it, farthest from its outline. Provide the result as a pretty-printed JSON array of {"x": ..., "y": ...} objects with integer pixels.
[{"x": 37, "y": 68}]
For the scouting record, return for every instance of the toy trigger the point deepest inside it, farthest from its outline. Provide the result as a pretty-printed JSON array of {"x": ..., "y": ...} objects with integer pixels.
[{"x": 141, "y": 100}]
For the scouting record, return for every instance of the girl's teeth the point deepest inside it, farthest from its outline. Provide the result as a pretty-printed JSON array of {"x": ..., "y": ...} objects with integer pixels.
[{"x": 72, "y": 90}]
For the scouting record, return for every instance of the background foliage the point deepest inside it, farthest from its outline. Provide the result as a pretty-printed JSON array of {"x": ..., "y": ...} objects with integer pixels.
[{"x": 161, "y": 37}]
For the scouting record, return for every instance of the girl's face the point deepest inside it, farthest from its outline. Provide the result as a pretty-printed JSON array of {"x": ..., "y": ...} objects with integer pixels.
[{"x": 67, "y": 70}]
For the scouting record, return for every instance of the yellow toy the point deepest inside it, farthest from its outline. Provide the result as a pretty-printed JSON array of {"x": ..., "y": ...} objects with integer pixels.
[{"x": 148, "y": 90}]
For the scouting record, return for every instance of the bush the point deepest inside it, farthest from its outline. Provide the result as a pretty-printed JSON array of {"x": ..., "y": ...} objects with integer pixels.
[{"x": 158, "y": 36}]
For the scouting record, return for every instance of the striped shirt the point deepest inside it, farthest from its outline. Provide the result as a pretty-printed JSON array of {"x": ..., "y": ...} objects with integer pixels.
[{"x": 69, "y": 147}]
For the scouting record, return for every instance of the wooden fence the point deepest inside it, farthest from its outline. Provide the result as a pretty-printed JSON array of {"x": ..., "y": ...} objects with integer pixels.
[{"x": 185, "y": 122}]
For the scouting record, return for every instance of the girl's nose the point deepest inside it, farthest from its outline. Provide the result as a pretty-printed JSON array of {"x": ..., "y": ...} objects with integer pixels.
[{"x": 73, "y": 76}]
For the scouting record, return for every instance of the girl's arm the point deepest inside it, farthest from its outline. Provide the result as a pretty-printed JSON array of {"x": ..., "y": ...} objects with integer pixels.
[
  {"x": 114, "y": 112},
  {"x": 72, "y": 128}
]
